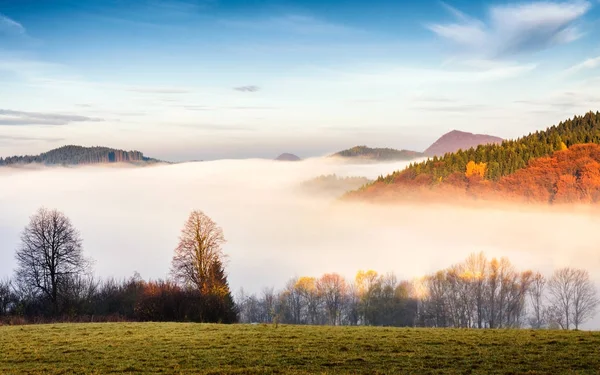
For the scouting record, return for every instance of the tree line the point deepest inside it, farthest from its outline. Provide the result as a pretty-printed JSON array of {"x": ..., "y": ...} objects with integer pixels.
[
  {"x": 54, "y": 279},
  {"x": 498, "y": 160},
  {"x": 75, "y": 155},
  {"x": 476, "y": 293},
  {"x": 378, "y": 153}
]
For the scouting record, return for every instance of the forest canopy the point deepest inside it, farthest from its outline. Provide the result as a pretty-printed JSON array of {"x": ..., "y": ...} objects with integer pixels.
[
  {"x": 364, "y": 152},
  {"x": 509, "y": 156},
  {"x": 558, "y": 165},
  {"x": 77, "y": 155}
]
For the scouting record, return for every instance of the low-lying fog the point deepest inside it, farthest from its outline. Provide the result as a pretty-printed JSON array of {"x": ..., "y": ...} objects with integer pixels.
[{"x": 130, "y": 220}]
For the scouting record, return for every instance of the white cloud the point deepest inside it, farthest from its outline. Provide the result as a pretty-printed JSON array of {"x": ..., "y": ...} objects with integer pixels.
[
  {"x": 21, "y": 118},
  {"x": 31, "y": 70},
  {"x": 587, "y": 64},
  {"x": 160, "y": 90},
  {"x": 516, "y": 28},
  {"x": 10, "y": 26},
  {"x": 418, "y": 76}
]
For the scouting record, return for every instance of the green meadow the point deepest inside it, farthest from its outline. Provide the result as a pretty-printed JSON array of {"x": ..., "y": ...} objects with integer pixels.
[{"x": 181, "y": 348}]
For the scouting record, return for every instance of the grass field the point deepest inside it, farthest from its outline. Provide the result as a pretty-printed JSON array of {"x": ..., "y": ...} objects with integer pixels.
[{"x": 264, "y": 349}]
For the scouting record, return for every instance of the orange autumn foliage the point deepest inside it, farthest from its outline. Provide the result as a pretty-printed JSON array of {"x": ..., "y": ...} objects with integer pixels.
[{"x": 571, "y": 175}]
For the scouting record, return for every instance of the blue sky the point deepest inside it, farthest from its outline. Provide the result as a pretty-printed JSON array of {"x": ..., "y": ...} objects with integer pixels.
[{"x": 218, "y": 79}]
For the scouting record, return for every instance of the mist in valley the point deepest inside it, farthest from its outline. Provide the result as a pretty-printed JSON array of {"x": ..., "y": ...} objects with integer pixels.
[{"x": 130, "y": 219}]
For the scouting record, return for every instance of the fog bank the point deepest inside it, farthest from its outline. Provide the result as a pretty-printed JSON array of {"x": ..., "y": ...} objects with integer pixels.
[{"x": 130, "y": 220}]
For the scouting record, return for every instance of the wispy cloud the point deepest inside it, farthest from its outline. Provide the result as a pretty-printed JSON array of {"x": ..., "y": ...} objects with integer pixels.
[
  {"x": 587, "y": 64},
  {"x": 249, "y": 107},
  {"x": 427, "y": 98},
  {"x": 29, "y": 139},
  {"x": 515, "y": 28},
  {"x": 406, "y": 75},
  {"x": 10, "y": 26},
  {"x": 436, "y": 103},
  {"x": 197, "y": 107},
  {"x": 574, "y": 101},
  {"x": 217, "y": 127},
  {"x": 21, "y": 118},
  {"x": 293, "y": 23},
  {"x": 452, "y": 108},
  {"x": 250, "y": 88},
  {"x": 37, "y": 71},
  {"x": 159, "y": 90},
  {"x": 178, "y": 7}
]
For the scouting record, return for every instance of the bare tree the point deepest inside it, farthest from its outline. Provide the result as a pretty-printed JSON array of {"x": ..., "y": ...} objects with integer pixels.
[
  {"x": 333, "y": 289},
  {"x": 574, "y": 295},
  {"x": 476, "y": 267},
  {"x": 433, "y": 293},
  {"x": 352, "y": 305},
  {"x": 198, "y": 250},
  {"x": 538, "y": 318},
  {"x": 310, "y": 298},
  {"x": 293, "y": 300},
  {"x": 585, "y": 298},
  {"x": 476, "y": 293},
  {"x": 50, "y": 255},
  {"x": 561, "y": 291},
  {"x": 270, "y": 306},
  {"x": 6, "y": 296}
]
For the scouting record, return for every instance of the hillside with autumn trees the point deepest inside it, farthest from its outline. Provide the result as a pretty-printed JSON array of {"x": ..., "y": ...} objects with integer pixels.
[{"x": 558, "y": 165}]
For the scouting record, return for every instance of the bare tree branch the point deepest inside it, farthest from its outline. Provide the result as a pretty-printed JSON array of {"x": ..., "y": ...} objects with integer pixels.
[{"x": 50, "y": 255}]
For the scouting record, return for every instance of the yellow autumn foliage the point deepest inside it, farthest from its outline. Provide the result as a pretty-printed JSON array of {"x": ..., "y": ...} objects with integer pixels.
[
  {"x": 476, "y": 169},
  {"x": 364, "y": 280},
  {"x": 306, "y": 284}
]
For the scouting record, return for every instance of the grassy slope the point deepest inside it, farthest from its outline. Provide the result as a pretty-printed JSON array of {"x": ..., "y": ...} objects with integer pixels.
[{"x": 213, "y": 349}]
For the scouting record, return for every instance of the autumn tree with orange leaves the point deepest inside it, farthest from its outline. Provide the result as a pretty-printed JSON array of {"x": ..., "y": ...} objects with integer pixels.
[
  {"x": 198, "y": 262},
  {"x": 332, "y": 287}
]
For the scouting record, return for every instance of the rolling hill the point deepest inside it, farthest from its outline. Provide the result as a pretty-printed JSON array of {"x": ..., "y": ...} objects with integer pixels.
[
  {"x": 364, "y": 153},
  {"x": 560, "y": 164},
  {"x": 458, "y": 140},
  {"x": 288, "y": 157},
  {"x": 78, "y": 155}
]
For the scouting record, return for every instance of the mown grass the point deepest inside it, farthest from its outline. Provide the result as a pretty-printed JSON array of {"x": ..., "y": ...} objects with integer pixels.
[{"x": 263, "y": 349}]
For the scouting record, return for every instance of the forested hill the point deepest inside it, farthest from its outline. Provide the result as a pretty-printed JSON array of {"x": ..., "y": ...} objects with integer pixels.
[
  {"x": 488, "y": 167},
  {"x": 367, "y": 153},
  {"x": 509, "y": 156},
  {"x": 77, "y": 155}
]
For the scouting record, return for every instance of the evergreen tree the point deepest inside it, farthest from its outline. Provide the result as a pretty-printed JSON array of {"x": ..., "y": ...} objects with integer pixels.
[{"x": 509, "y": 156}]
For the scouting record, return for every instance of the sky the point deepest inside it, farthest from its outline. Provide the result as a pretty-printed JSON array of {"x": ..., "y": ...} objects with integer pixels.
[{"x": 217, "y": 79}]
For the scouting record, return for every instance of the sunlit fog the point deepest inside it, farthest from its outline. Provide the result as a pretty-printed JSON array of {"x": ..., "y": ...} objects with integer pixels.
[{"x": 130, "y": 219}]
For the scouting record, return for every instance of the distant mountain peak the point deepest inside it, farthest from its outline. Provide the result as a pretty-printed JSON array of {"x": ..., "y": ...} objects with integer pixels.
[
  {"x": 288, "y": 157},
  {"x": 456, "y": 140}
]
